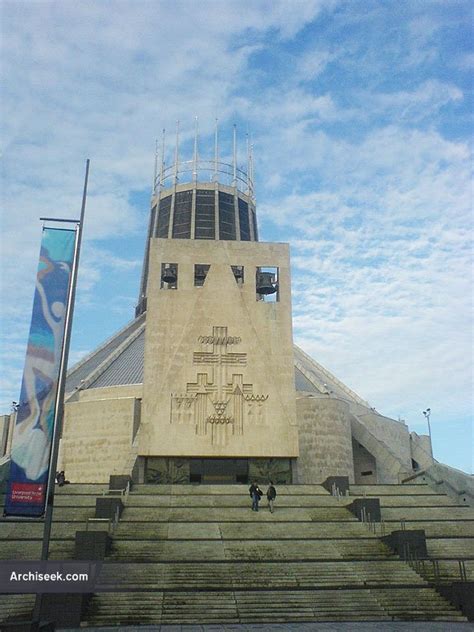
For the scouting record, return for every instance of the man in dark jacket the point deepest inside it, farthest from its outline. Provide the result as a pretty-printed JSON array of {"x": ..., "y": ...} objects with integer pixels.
[
  {"x": 255, "y": 494},
  {"x": 271, "y": 495}
]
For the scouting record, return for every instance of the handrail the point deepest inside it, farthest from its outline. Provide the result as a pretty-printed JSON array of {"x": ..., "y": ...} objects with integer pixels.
[
  {"x": 419, "y": 566},
  {"x": 123, "y": 491},
  {"x": 435, "y": 479},
  {"x": 116, "y": 518}
]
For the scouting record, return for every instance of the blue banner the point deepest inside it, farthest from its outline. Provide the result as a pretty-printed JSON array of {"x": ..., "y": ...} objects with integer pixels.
[{"x": 33, "y": 431}]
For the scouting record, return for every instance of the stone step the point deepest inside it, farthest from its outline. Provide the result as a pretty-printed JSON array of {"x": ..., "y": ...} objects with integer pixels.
[
  {"x": 230, "y": 501},
  {"x": 94, "y": 489},
  {"x": 17, "y": 606},
  {"x": 435, "y": 528},
  {"x": 243, "y": 514},
  {"x": 13, "y": 530},
  {"x": 400, "y": 490},
  {"x": 31, "y": 549},
  {"x": 239, "y": 530},
  {"x": 75, "y": 513},
  {"x": 206, "y": 490},
  {"x": 269, "y": 606},
  {"x": 411, "y": 501},
  {"x": 450, "y": 547},
  {"x": 73, "y": 500},
  {"x": 10, "y": 529},
  {"x": 242, "y": 575},
  {"x": 427, "y": 513},
  {"x": 449, "y": 570},
  {"x": 146, "y": 550}
]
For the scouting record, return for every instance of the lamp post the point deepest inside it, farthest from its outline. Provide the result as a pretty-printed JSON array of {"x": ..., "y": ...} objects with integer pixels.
[{"x": 427, "y": 414}]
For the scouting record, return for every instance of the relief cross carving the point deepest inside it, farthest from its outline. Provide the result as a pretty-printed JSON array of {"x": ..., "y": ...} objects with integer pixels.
[{"x": 218, "y": 404}]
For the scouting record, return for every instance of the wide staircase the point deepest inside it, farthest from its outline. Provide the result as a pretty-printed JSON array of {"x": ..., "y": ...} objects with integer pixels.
[{"x": 198, "y": 554}]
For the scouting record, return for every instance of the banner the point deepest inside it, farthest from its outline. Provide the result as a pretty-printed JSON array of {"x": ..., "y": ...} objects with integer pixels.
[{"x": 33, "y": 431}]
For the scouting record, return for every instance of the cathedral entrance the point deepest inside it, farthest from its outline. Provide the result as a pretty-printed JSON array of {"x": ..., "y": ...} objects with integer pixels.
[{"x": 218, "y": 471}]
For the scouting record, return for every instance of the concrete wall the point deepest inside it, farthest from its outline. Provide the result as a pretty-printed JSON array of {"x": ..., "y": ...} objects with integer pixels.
[
  {"x": 97, "y": 434},
  {"x": 218, "y": 373},
  {"x": 394, "y": 434},
  {"x": 325, "y": 439},
  {"x": 447, "y": 480},
  {"x": 364, "y": 462},
  {"x": 421, "y": 450},
  {"x": 4, "y": 431}
]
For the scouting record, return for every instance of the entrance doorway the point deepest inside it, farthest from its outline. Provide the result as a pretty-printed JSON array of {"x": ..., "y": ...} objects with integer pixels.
[{"x": 218, "y": 471}]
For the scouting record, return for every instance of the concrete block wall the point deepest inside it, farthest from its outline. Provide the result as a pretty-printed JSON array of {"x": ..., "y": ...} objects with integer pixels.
[
  {"x": 325, "y": 439},
  {"x": 97, "y": 437}
]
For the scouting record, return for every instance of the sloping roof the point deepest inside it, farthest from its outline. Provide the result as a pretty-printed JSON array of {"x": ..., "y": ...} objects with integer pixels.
[
  {"x": 119, "y": 361},
  {"x": 303, "y": 384},
  {"x": 322, "y": 380},
  {"x": 127, "y": 368},
  {"x": 102, "y": 356}
]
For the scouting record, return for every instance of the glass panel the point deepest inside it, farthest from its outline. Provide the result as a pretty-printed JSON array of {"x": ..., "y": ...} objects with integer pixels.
[
  {"x": 182, "y": 215},
  {"x": 277, "y": 470},
  {"x": 226, "y": 216},
  {"x": 244, "y": 220},
  {"x": 205, "y": 214},
  {"x": 164, "y": 217}
]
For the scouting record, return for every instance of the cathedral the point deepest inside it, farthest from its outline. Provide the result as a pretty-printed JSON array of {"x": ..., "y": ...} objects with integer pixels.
[{"x": 205, "y": 384}]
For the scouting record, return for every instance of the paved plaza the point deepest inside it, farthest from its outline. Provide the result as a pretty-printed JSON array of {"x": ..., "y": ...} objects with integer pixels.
[{"x": 337, "y": 626}]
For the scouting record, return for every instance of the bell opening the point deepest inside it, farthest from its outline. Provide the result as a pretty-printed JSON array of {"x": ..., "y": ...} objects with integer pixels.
[
  {"x": 266, "y": 284},
  {"x": 169, "y": 276}
]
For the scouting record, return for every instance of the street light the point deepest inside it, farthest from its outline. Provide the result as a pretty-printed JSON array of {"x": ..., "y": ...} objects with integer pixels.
[{"x": 427, "y": 414}]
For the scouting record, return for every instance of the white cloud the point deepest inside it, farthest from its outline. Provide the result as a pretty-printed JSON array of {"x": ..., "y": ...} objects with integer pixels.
[
  {"x": 416, "y": 105},
  {"x": 313, "y": 63}
]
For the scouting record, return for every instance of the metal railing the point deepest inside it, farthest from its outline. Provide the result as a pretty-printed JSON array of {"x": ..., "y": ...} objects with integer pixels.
[
  {"x": 112, "y": 523},
  {"x": 429, "y": 568},
  {"x": 123, "y": 492},
  {"x": 336, "y": 492},
  {"x": 366, "y": 519},
  {"x": 204, "y": 171}
]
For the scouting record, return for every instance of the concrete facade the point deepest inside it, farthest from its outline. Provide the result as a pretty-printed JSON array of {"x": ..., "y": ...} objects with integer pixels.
[
  {"x": 218, "y": 367},
  {"x": 98, "y": 433},
  {"x": 4, "y": 432},
  {"x": 325, "y": 439}
]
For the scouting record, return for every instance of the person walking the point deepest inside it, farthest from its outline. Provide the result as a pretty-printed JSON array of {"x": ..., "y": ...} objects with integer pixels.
[
  {"x": 271, "y": 495},
  {"x": 255, "y": 494}
]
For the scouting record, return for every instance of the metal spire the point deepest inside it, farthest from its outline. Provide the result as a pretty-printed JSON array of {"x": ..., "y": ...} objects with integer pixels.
[
  {"x": 195, "y": 155},
  {"x": 155, "y": 171},
  {"x": 176, "y": 154},
  {"x": 234, "y": 151},
  {"x": 251, "y": 168},
  {"x": 216, "y": 151},
  {"x": 248, "y": 160},
  {"x": 162, "y": 168}
]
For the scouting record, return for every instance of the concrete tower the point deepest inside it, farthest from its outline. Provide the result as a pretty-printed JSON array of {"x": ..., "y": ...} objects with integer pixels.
[
  {"x": 205, "y": 384},
  {"x": 218, "y": 375}
]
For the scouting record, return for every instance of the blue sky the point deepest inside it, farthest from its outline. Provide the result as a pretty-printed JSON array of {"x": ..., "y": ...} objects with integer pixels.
[{"x": 361, "y": 118}]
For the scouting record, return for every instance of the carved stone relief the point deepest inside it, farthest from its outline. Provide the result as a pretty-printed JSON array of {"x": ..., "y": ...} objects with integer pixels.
[{"x": 219, "y": 404}]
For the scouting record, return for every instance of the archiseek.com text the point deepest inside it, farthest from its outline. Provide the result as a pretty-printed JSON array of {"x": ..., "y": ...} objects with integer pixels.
[{"x": 31, "y": 576}]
